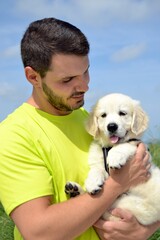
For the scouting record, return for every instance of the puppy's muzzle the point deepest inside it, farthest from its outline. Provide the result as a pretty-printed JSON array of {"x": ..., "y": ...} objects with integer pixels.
[{"x": 112, "y": 127}]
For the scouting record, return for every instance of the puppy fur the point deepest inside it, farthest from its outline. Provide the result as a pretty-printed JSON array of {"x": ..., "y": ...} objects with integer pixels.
[{"x": 116, "y": 121}]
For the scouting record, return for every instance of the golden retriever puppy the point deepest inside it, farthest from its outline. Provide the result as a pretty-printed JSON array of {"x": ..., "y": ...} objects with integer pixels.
[{"x": 117, "y": 123}]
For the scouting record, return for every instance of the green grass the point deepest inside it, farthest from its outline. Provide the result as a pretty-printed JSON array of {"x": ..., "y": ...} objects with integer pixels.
[
  {"x": 155, "y": 236},
  {"x": 6, "y": 225},
  {"x": 155, "y": 151}
]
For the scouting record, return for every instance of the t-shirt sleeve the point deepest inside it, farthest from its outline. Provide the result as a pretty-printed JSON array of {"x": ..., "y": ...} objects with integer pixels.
[{"x": 23, "y": 172}]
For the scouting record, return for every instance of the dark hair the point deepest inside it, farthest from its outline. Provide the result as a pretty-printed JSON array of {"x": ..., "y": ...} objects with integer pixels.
[{"x": 47, "y": 37}]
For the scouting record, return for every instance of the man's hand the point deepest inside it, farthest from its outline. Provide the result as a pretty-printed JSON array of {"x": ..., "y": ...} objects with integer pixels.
[
  {"x": 128, "y": 228},
  {"x": 135, "y": 171}
]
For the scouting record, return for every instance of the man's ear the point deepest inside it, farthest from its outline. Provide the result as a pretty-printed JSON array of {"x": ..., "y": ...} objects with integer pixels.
[{"x": 33, "y": 77}]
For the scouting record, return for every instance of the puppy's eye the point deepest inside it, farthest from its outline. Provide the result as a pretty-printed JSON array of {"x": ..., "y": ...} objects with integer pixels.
[
  {"x": 103, "y": 115},
  {"x": 122, "y": 113}
]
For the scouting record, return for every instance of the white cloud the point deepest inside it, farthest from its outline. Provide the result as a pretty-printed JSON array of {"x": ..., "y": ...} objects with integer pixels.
[
  {"x": 128, "y": 52},
  {"x": 91, "y": 12},
  {"x": 6, "y": 89},
  {"x": 12, "y": 51},
  {"x": 14, "y": 93}
]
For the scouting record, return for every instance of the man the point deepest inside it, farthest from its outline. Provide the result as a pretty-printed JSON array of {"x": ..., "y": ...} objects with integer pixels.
[{"x": 44, "y": 144}]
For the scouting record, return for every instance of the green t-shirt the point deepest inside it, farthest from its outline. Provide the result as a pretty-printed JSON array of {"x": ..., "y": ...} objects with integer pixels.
[{"x": 39, "y": 153}]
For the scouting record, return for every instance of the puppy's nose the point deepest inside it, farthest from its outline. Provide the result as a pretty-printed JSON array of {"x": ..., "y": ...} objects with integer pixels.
[{"x": 112, "y": 127}]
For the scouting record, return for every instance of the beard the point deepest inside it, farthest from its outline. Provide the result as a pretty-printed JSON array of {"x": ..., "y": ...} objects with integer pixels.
[{"x": 58, "y": 102}]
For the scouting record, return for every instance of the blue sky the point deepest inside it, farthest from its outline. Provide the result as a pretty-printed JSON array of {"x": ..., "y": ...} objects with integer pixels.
[{"x": 125, "y": 49}]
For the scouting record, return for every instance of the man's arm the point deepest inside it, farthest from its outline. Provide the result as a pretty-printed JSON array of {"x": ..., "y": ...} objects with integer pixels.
[
  {"x": 39, "y": 219},
  {"x": 128, "y": 228}
]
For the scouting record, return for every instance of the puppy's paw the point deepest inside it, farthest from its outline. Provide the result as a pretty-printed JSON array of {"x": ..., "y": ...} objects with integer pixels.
[
  {"x": 116, "y": 159},
  {"x": 73, "y": 189},
  {"x": 95, "y": 181},
  {"x": 109, "y": 217},
  {"x": 93, "y": 190}
]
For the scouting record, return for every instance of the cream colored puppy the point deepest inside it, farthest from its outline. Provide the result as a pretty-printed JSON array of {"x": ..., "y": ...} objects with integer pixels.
[{"x": 117, "y": 122}]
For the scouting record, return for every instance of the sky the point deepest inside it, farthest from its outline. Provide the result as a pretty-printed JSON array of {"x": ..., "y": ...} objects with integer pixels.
[{"x": 124, "y": 37}]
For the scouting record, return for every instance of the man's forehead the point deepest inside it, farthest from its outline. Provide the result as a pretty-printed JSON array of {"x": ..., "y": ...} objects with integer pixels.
[{"x": 69, "y": 65}]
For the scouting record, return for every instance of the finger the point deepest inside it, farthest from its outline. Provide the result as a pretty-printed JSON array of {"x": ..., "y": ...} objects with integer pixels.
[
  {"x": 146, "y": 156},
  {"x": 146, "y": 162},
  {"x": 121, "y": 213},
  {"x": 99, "y": 224},
  {"x": 145, "y": 177},
  {"x": 141, "y": 147},
  {"x": 148, "y": 167},
  {"x": 141, "y": 151}
]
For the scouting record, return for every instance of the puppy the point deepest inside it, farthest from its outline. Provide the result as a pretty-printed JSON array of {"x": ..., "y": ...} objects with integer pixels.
[{"x": 117, "y": 123}]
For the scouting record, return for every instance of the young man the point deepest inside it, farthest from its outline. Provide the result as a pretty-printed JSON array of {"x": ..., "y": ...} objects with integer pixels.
[{"x": 44, "y": 144}]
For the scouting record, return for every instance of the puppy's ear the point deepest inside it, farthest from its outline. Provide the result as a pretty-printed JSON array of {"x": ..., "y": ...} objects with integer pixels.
[
  {"x": 140, "y": 120},
  {"x": 92, "y": 124}
]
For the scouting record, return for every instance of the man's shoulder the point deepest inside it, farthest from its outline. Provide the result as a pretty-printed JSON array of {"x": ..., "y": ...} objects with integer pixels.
[{"x": 20, "y": 120}]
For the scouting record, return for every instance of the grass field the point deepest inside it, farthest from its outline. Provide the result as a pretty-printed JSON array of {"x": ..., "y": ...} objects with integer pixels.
[{"x": 7, "y": 226}]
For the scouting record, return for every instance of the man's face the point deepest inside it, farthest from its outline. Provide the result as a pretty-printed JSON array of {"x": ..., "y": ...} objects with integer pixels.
[{"x": 66, "y": 82}]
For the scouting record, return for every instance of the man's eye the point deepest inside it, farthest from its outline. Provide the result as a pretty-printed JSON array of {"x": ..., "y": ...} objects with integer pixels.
[
  {"x": 103, "y": 115},
  {"x": 67, "y": 80}
]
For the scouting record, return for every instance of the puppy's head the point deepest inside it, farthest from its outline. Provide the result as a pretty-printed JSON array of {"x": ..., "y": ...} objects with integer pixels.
[{"x": 116, "y": 118}]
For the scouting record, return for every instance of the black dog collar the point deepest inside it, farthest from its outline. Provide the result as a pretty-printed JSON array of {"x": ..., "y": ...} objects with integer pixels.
[{"x": 105, "y": 154}]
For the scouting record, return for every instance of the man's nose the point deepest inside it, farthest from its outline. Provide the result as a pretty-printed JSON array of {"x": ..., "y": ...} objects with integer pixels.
[{"x": 82, "y": 84}]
